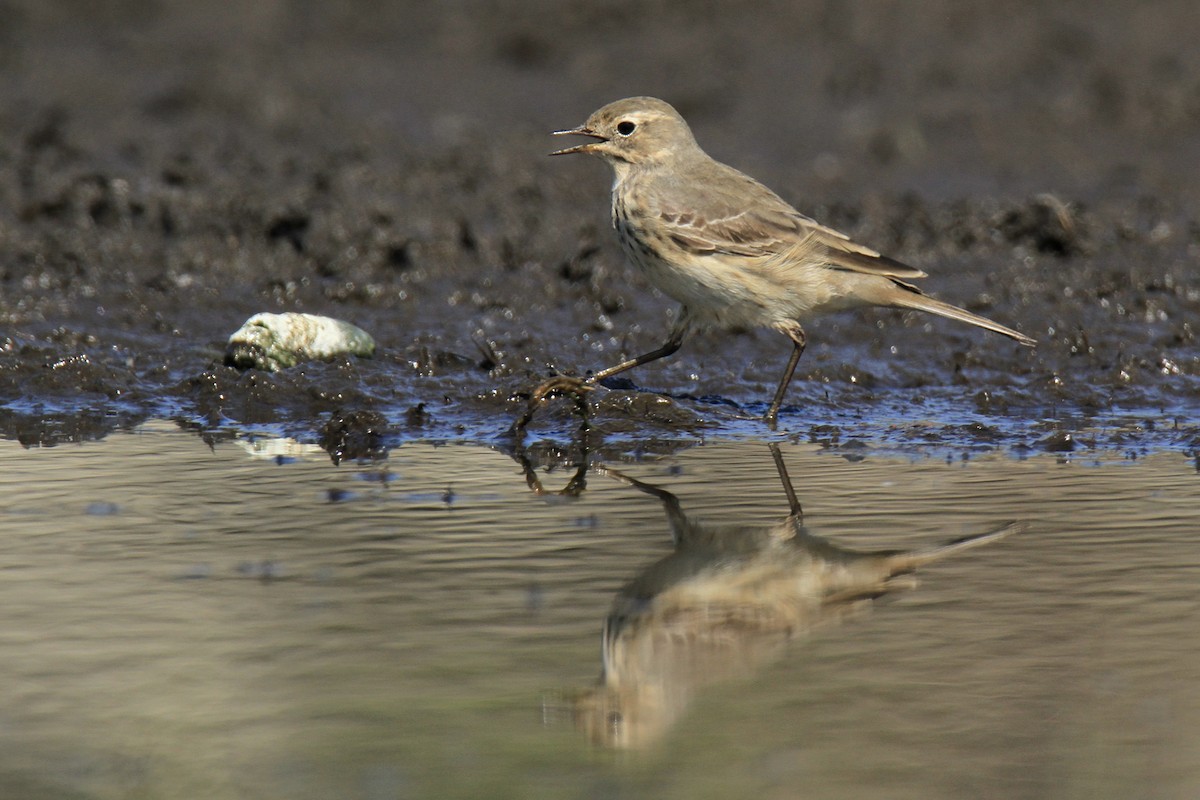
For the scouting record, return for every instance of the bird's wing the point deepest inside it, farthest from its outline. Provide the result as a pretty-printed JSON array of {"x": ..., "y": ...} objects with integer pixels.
[{"x": 733, "y": 214}]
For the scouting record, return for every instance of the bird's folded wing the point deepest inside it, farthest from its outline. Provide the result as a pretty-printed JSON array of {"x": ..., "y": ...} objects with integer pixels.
[{"x": 761, "y": 224}]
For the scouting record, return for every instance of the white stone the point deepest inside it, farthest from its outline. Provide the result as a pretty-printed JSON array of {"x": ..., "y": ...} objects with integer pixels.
[{"x": 277, "y": 341}]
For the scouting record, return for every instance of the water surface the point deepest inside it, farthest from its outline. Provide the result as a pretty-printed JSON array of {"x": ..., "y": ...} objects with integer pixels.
[{"x": 192, "y": 620}]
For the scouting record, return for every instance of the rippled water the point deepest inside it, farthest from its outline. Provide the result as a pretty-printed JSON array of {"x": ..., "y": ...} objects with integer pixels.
[{"x": 188, "y": 621}]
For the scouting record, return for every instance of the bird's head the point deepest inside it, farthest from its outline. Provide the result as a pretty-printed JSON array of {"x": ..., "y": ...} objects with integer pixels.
[{"x": 636, "y": 130}]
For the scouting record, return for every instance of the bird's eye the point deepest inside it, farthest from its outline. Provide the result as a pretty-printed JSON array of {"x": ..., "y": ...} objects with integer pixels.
[{"x": 625, "y": 127}]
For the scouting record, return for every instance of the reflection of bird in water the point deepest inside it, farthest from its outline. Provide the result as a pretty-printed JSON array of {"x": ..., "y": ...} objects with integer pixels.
[{"x": 726, "y": 601}]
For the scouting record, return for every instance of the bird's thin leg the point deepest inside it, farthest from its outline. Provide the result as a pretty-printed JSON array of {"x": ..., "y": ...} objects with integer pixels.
[
  {"x": 678, "y": 332},
  {"x": 796, "y": 334},
  {"x": 673, "y": 344}
]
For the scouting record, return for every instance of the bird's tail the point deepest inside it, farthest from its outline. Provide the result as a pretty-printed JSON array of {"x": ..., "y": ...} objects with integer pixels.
[
  {"x": 911, "y": 297},
  {"x": 901, "y": 563}
]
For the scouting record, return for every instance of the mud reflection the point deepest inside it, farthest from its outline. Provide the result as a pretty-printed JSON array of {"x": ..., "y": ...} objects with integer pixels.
[{"x": 725, "y": 603}]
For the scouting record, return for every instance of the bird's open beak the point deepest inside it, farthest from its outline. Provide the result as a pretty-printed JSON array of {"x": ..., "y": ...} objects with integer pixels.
[{"x": 586, "y": 147}]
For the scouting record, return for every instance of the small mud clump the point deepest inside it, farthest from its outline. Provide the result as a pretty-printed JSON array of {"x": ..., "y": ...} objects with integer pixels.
[{"x": 355, "y": 435}]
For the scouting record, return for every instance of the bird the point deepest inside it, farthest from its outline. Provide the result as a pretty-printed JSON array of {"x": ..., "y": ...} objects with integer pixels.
[{"x": 731, "y": 252}]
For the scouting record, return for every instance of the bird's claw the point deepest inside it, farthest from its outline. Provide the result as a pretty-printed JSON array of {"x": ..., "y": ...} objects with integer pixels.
[
  {"x": 577, "y": 388},
  {"x": 560, "y": 385}
]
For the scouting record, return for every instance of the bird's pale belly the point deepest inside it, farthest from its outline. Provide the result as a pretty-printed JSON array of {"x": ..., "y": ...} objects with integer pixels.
[{"x": 735, "y": 291}]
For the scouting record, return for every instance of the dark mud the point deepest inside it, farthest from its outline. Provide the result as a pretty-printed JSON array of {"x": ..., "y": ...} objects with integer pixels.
[{"x": 166, "y": 172}]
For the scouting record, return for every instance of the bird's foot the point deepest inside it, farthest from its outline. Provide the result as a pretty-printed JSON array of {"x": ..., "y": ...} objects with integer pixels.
[
  {"x": 560, "y": 385},
  {"x": 577, "y": 388}
]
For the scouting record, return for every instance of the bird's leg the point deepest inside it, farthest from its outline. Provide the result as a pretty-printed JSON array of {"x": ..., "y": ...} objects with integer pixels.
[
  {"x": 674, "y": 341},
  {"x": 673, "y": 344},
  {"x": 796, "y": 334}
]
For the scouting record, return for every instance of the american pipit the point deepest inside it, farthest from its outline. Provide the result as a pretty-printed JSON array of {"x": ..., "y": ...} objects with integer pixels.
[{"x": 730, "y": 250}]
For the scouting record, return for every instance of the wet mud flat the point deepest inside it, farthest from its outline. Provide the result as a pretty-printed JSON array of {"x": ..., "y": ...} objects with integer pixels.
[{"x": 164, "y": 175}]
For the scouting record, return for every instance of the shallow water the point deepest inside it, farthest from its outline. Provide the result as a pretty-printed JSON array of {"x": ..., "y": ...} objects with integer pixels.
[{"x": 236, "y": 620}]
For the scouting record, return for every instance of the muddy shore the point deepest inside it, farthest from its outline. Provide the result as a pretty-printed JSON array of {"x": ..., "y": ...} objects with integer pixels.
[{"x": 166, "y": 171}]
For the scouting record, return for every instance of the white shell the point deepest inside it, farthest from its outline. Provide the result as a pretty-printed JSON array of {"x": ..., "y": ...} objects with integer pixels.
[{"x": 277, "y": 341}]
